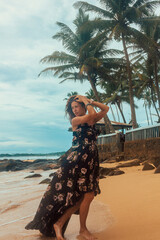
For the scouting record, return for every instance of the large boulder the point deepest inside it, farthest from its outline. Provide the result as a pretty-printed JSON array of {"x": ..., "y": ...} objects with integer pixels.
[
  {"x": 104, "y": 171},
  {"x": 12, "y": 165},
  {"x": 34, "y": 175},
  {"x": 156, "y": 161},
  {"x": 17, "y": 165},
  {"x": 157, "y": 169},
  {"x": 134, "y": 162},
  {"x": 116, "y": 172},
  {"x": 148, "y": 166},
  {"x": 45, "y": 181}
]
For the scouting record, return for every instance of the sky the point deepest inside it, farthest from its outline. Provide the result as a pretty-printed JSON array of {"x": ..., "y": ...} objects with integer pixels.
[{"x": 32, "y": 117}]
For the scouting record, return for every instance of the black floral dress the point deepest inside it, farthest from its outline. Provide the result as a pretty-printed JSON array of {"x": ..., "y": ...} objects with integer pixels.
[{"x": 78, "y": 174}]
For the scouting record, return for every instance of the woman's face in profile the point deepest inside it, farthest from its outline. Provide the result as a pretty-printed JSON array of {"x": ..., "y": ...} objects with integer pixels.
[{"x": 77, "y": 109}]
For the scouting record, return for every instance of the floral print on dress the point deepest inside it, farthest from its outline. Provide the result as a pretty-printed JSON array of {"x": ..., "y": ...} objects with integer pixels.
[{"x": 78, "y": 174}]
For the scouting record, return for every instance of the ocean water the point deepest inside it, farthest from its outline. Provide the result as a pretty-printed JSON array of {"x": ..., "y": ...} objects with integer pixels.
[
  {"x": 20, "y": 198},
  {"x": 30, "y": 157}
]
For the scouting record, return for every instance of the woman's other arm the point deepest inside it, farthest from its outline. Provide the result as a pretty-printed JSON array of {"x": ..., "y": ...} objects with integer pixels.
[{"x": 104, "y": 109}]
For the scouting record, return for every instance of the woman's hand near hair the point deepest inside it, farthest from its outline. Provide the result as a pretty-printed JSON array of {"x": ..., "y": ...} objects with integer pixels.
[
  {"x": 89, "y": 107},
  {"x": 80, "y": 98},
  {"x": 86, "y": 118}
]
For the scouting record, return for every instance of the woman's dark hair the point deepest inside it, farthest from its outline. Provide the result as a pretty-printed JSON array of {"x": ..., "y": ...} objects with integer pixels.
[{"x": 68, "y": 109}]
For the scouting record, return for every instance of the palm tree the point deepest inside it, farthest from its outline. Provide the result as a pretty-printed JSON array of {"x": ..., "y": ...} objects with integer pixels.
[
  {"x": 118, "y": 15},
  {"x": 144, "y": 74},
  {"x": 70, "y": 94},
  {"x": 150, "y": 49},
  {"x": 78, "y": 65}
]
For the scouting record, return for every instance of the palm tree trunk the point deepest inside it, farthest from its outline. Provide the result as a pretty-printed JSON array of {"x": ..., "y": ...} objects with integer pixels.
[
  {"x": 133, "y": 114},
  {"x": 156, "y": 82},
  {"x": 119, "y": 107},
  {"x": 108, "y": 126},
  {"x": 150, "y": 114},
  {"x": 154, "y": 104},
  {"x": 117, "y": 112},
  {"x": 146, "y": 113}
]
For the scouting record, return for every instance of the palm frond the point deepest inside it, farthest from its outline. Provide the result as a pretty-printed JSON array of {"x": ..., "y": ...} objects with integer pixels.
[
  {"x": 111, "y": 52},
  {"x": 89, "y": 7},
  {"x": 149, "y": 7},
  {"x": 58, "y": 58},
  {"x": 57, "y": 69},
  {"x": 81, "y": 80}
]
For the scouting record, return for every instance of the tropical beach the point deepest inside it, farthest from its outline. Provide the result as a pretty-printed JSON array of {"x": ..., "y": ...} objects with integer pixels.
[
  {"x": 127, "y": 208},
  {"x": 80, "y": 75}
]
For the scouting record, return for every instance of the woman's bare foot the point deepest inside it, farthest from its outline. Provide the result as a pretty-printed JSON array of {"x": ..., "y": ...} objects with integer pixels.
[
  {"x": 58, "y": 231},
  {"x": 86, "y": 234}
]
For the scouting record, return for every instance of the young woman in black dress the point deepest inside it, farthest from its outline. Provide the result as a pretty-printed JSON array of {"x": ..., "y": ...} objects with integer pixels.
[{"x": 76, "y": 182}]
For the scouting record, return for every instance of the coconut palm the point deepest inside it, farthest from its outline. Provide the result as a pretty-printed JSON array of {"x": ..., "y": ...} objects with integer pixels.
[
  {"x": 150, "y": 49},
  {"x": 70, "y": 94},
  {"x": 117, "y": 17},
  {"x": 75, "y": 64},
  {"x": 145, "y": 87}
]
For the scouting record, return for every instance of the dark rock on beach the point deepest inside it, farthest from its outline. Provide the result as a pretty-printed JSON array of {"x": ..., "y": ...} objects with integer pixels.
[
  {"x": 134, "y": 162},
  {"x": 109, "y": 172},
  {"x": 12, "y": 165},
  {"x": 157, "y": 169},
  {"x": 52, "y": 174},
  {"x": 148, "y": 166},
  {"x": 102, "y": 176},
  {"x": 110, "y": 161},
  {"x": 116, "y": 172},
  {"x": 45, "y": 181},
  {"x": 105, "y": 171},
  {"x": 34, "y": 175},
  {"x": 156, "y": 161},
  {"x": 17, "y": 165}
]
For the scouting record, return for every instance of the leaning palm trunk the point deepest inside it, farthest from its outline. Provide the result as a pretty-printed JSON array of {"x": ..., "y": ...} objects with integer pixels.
[
  {"x": 117, "y": 112},
  {"x": 154, "y": 104},
  {"x": 119, "y": 107},
  {"x": 133, "y": 114},
  {"x": 108, "y": 126},
  {"x": 146, "y": 113},
  {"x": 156, "y": 82},
  {"x": 150, "y": 115}
]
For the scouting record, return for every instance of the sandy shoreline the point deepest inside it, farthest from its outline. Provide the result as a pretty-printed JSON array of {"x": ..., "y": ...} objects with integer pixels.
[
  {"x": 133, "y": 199},
  {"x": 127, "y": 208}
]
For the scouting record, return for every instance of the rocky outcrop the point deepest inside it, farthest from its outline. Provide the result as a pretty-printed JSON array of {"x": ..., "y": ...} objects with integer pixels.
[
  {"x": 147, "y": 166},
  {"x": 17, "y": 165},
  {"x": 34, "y": 175},
  {"x": 52, "y": 174},
  {"x": 103, "y": 172},
  {"x": 134, "y": 162},
  {"x": 116, "y": 172},
  {"x": 157, "y": 169},
  {"x": 45, "y": 181}
]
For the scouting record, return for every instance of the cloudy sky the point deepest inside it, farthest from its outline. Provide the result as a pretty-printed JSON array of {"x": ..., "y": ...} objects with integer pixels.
[{"x": 32, "y": 115}]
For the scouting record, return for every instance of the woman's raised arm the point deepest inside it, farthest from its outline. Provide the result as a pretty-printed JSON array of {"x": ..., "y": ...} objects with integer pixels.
[{"x": 104, "y": 109}]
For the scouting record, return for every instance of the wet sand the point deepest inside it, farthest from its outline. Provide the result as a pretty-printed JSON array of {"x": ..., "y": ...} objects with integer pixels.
[{"x": 126, "y": 209}]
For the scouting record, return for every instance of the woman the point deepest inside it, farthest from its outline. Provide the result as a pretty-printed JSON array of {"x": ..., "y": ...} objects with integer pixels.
[{"x": 76, "y": 182}]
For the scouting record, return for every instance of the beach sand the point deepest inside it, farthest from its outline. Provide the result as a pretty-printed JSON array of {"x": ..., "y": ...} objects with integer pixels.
[{"x": 126, "y": 209}]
